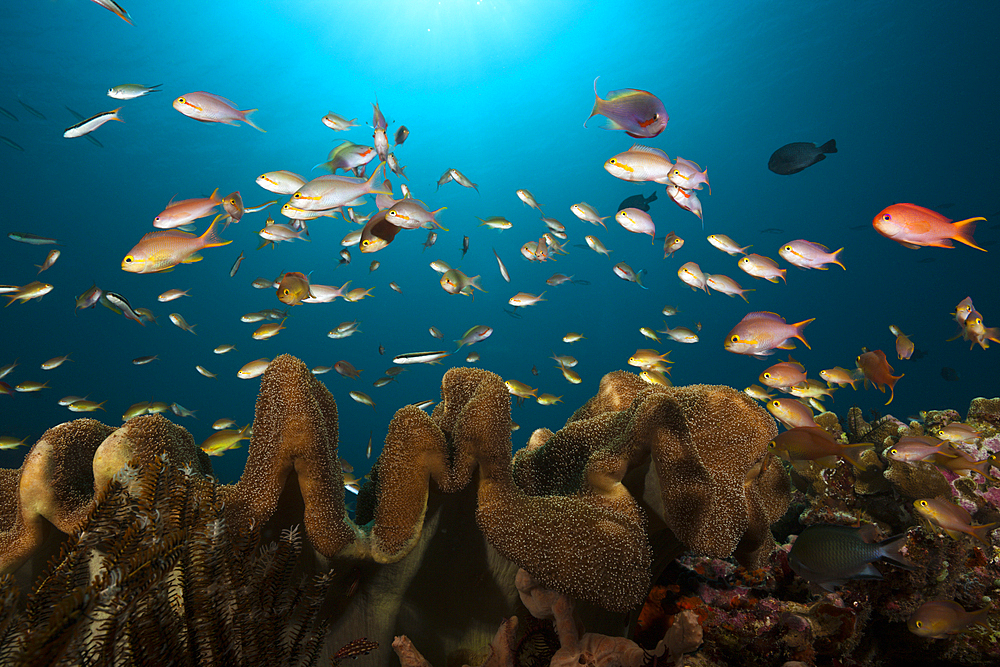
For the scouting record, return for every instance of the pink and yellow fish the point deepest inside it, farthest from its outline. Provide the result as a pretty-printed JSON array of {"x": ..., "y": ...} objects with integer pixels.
[
  {"x": 640, "y": 113},
  {"x": 211, "y": 108},
  {"x": 914, "y": 226},
  {"x": 759, "y": 334},
  {"x": 163, "y": 250}
]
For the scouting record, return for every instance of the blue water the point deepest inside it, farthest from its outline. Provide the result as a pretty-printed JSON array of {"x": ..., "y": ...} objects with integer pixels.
[{"x": 498, "y": 90}]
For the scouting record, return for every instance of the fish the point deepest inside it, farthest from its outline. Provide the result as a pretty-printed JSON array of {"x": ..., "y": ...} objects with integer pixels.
[
  {"x": 783, "y": 374},
  {"x": 474, "y": 335},
  {"x": 30, "y": 239},
  {"x": 281, "y": 182},
  {"x": 648, "y": 358},
  {"x": 236, "y": 265},
  {"x": 412, "y": 214},
  {"x": 953, "y": 519},
  {"x": 625, "y": 272},
  {"x": 50, "y": 259},
  {"x": 86, "y": 406},
  {"x": 830, "y": 555},
  {"x": 431, "y": 239},
  {"x": 172, "y": 294},
  {"x": 329, "y": 192},
  {"x": 120, "y": 304},
  {"x": 211, "y": 108},
  {"x": 7, "y": 114},
  {"x": 89, "y": 125},
  {"x": 130, "y": 91},
  {"x": 794, "y": 157},
  {"x": 179, "y": 321},
  {"x": 116, "y": 9},
  {"x": 959, "y": 432},
  {"x": 338, "y": 123},
  {"x": 914, "y": 226},
  {"x": 141, "y": 361},
  {"x": 163, "y": 250},
  {"x": 454, "y": 281},
  {"x": 671, "y": 244},
  {"x": 726, "y": 244},
  {"x": 184, "y": 211},
  {"x": 224, "y": 439},
  {"x": 293, "y": 287},
  {"x": 495, "y": 222},
  {"x": 89, "y": 298},
  {"x": 548, "y": 399},
  {"x": 33, "y": 111},
  {"x": 639, "y": 113},
  {"x": 790, "y": 412},
  {"x": 950, "y": 374},
  {"x": 759, "y": 266},
  {"x": 363, "y": 398},
  {"x": 691, "y": 274},
  {"x": 465, "y": 246},
  {"x": 686, "y": 175},
  {"x": 435, "y": 332},
  {"x": 640, "y": 163},
  {"x": 232, "y": 204},
  {"x": 253, "y": 368},
  {"x": 758, "y": 393},
  {"x": 937, "y": 619},
  {"x": 348, "y": 156},
  {"x": 760, "y": 333},
  {"x": 520, "y": 389},
  {"x": 347, "y": 369},
  {"x": 529, "y": 199},
  {"x": 637, "y": 201},
  {"x": 877, "y": 370},
  {"x": 25, "y": 293},
  {"x": 812, "y": 443},
  {"x": 588, "y": 213},
  {"x": 204, "y": 371},
  {"x": 912, "y": 448},
  {"x": 809, "y": 255},
  {"x": 522, "y": 299},
  {"x": 268, "y": 330},
  {"x": 420, "y": 357},
  {"x": 563, "y": 360},
  {"x": 637, "y": 222},
  {"x": 401, "y": 134},
  {"x": 503, "y": 269},
  {"x": 572, "y": 337},
  {"x": 596, "y": 245},
  {"x": 726, "y": 285},
  {"x": 776, "y": 230},
  {"x": 31, "y": 386},
  {"x": 55, "y": 362},
  {"x": 679, "y": 334},
  {"x": 686, "y": 200},
  {"x": 462, "y": 180},
  {"x": 839, "y": 376},
  {"x": 904, "y": 346},
  {"x": 222, "y": 349},
  {"x": 8, "y": 442}
]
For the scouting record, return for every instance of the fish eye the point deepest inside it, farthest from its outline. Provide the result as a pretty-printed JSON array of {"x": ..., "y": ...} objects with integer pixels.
[
  {"x": 887, "y": 217},
  {"x": 286, "y": 290},
  {"x": 181, "y": 100},
  {"x": 297, "y": 196},
  {"x": 923, "y": 503},
  {"x": 391, "y": 212},
  {"x": 735, "y": 338},
  {"x": 128, "y": 259},
  {"x": 612, "y": 161},
  {"x": 772, "y": 444},
  {"x": 787, "y": 247},
  {"x": 893, "y": 451},
  {"x": 766, "y": 376},
  {"x": 919, "y": 624}
]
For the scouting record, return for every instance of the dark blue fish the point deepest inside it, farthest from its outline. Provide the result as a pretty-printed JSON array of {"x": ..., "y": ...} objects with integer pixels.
[
  {"x": 949, "y": 374},
  {"x": 830, "y": 555},
  {"x": 793, "y": 158},
  {"x": 637, "y": 201}
]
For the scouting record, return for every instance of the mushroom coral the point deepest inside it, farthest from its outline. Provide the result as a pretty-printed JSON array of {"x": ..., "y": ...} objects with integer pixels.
[{"x": 448, "y": 511}]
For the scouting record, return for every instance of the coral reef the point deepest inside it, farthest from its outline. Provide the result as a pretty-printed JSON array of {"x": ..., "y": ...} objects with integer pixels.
[{"x": 109, "y": 533}]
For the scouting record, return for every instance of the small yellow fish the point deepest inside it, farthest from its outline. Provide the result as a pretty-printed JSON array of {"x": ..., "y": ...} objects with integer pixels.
[
  {"x": 163, "y": 250},
  {"x": 205, "y": 372},
  {"x": 8, "y": 442},
  {"x": 179, "y": 321},
  {"x": 570, "y": 375},
  {"x": 86, "y": 406},
  {"x": 223, "y": 440},
  {"x": 253, "y": 368},
  {"x": 572, "y": 337},
  {"x": 791, "y": 412},
  {"x": 939, "y": 618},
  {"x": 953, "y": 519},
  {"x": 29, "y": 386},
  {"x": 33, "y": 290},
  {"x": 361, "y": 397},
  {"x": 548, "y": 399},
  {"x": 520, "y": 389},
  {"x": 220, "y": 424},
  {"x": 268, "y": 330},
  {"x": 54, "y": 362}
]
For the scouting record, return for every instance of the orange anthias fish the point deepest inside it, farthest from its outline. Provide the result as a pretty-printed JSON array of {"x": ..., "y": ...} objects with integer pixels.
[
  {"x": 952, "y": 518},
  {"x": 163, "y": 250},
  {"x": 640, "y": 113},
  {"x": 940, "y": 618},
  {"x": 759, "y": 334},
  {"x": 293, "y": 287},
  {"x": 878, "y": 371},
  {"x": 914, "y": 226},
  {"x": 812, "y": 443}
]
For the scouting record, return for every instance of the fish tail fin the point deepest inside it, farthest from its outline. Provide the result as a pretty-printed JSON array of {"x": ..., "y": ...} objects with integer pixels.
[
  {"x": 115, "y": 117},
  {"x": 799, "y": 326},
  {"x": 852, "y": 453},
  {"x": 963, "y": 231},
  {"x": 215, "y": 198},
  {"x": 597, "y": 104},
  {"x": 891, "y": 548},
  {"x": 982, "y": 532},
  {"x": 370, "y": 183},
  {"x": 742, "y": 294},
  {"x": 246, "y": 119},
  {"x": 211, "y": 239},
  {"x": 981, "y": 617},
  {"x": 836, "y": 259},
  {"x": 829, "y": 147}
]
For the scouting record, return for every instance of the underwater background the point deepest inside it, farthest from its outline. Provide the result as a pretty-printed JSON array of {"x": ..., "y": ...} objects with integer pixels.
[{"x": 500, "y": 91}]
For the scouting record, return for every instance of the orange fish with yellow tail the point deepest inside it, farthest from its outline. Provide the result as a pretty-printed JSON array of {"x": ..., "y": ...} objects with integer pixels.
[
  {"x": 914, "y": 226},
  {"x": 877, "y": 370}
]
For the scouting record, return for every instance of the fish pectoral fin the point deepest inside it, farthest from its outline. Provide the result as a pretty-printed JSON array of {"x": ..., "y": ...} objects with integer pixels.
[
  {"x": 787, "y": 345},
  {"x": 189, "y": 259}
]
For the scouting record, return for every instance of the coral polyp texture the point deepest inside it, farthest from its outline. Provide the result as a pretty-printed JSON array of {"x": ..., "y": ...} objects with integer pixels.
[{"x": 651, "y": 499}]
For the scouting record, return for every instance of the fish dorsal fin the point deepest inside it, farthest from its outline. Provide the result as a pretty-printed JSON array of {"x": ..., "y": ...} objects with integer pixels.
[
  {"x": 764, "y": 315},
  {"x": 624, "y": 92},
  {"x": 639, "y": 148}
]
